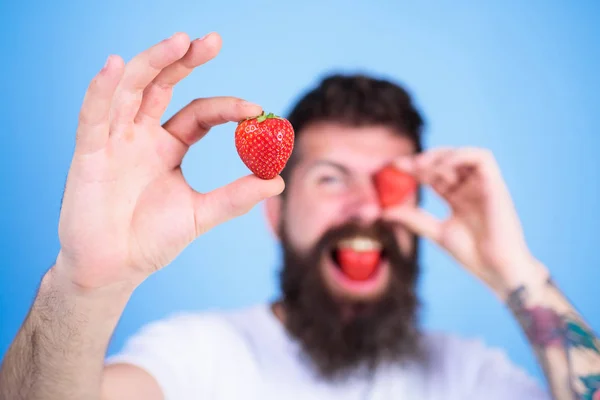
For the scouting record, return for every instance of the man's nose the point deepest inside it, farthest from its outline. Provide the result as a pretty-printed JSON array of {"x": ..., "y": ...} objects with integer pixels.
[{"x": 366, "y": 206}]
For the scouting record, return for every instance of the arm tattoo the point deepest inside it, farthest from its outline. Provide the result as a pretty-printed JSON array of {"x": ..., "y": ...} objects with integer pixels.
[{"x": 566, "y": 347}]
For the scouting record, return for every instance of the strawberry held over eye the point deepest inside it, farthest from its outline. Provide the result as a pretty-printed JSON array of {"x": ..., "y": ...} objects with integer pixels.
[
  {"x": 393, "y": 185},
  {"x": 265, "y": 144}
]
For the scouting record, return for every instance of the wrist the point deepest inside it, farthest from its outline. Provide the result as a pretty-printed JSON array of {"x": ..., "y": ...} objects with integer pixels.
[
  {"x": 57, "y": 280},
  {"x": 529, "y": 273},
  {"x": 91, "y": 280},
  {"x": 88, "y": 313}
]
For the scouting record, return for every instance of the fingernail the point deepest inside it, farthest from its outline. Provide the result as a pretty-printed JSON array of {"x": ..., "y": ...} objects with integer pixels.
[
  {"x": 106, "y": 64},
  {"x": 249, "y": 104},
  {"x": 173, "y": 36},
  {"x": 205, "y": 36}
]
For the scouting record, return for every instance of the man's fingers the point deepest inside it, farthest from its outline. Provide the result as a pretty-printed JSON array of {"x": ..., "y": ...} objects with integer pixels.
[
  {"x": 443, "y": 180},
  {"x": 158, "y": 93},
  {"x": 139, "y": 73},
  {"x": 193, "y": 122},
  {"x": 93, "y": 129},
  {"x": 443, "y": 175},
  {"x": 422, "y": 165},
  {"x": 471, "y": 158},
  {"x": 417, "y": 220},
  {"x": 430, "y": 168},
  {"x": 443, "y": 168},
  {"x": 233, "y": 200}
]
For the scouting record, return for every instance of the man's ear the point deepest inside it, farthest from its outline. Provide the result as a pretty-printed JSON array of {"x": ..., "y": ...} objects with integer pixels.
[{"x": 273, "y": 208}]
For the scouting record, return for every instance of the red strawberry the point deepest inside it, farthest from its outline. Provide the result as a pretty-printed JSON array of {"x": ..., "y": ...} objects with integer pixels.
[
  {"x": 393, "y": 185},
  {"x": 265, "y": 144},
  {"x": 358, "y": 265}
]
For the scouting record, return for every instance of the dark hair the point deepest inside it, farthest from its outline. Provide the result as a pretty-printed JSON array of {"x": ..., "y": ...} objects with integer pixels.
[{"x": 356, "y": 100}]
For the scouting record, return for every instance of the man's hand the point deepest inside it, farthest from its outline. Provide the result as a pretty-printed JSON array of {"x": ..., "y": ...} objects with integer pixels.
[
  {"x": 483, "y": 231},
  {"x": 127, "y": 209}
]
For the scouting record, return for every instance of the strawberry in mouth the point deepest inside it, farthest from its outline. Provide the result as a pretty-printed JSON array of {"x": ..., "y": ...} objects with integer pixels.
[
  {"x": 356, "y": 261},
  {"x": 358, "y": 258},
  {"x": 357, "y": 269}
]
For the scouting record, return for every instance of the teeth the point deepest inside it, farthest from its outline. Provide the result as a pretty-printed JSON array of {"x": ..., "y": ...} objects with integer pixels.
[{"x": 360, "y": 244}]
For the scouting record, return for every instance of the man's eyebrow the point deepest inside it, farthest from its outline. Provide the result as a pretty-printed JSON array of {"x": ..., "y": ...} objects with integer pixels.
[{"x": 329, "y": 163}]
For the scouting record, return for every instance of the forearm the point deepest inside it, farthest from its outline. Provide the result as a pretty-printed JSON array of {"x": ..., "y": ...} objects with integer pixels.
[
  {"x": 60, "y": 349},
  {"x": 566, "y": 347}
]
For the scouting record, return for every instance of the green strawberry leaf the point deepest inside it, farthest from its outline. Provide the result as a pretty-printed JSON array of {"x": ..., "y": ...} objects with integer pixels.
[
  {"x": 261, "y": 117},
  {"x": 264, "y": 116},
  {"x": 578, "y": 336}
]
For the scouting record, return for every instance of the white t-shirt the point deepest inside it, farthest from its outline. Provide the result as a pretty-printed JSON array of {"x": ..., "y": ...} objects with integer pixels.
[{"x": 247, "y": 354}]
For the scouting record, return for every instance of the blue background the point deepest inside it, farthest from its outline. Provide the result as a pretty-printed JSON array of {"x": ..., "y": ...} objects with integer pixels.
[{"x": 518, "y": 77}]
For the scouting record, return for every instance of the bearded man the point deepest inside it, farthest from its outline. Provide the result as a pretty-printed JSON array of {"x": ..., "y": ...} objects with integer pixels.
[{"x": 346, "y": 325}]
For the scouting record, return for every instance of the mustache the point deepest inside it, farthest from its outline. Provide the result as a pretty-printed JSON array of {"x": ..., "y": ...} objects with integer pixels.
[{"x": 380, "y": 230}]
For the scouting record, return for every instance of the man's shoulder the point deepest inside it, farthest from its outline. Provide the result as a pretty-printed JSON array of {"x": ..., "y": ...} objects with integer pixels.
[
  {"x": 443, "y": 343},
  {"x": 454, "y": 349},
  {"x": 470, "y": 362}
]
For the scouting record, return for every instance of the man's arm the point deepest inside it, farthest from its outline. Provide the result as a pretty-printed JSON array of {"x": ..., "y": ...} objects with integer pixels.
[
  {"x": 484, "y": 234},
  {"x": 566, "y": 348},
  {"x": 59, "y": 351},
  {"x": 127, "y": 212}
]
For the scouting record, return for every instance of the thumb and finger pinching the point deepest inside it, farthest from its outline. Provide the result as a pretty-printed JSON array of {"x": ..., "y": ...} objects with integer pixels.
[
  {"x": 233, "y": 200},
  {"x": 417, "y": 220}
]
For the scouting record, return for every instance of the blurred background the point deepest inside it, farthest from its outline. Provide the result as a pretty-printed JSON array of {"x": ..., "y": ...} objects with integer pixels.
[{"x": 520, "y": 78}]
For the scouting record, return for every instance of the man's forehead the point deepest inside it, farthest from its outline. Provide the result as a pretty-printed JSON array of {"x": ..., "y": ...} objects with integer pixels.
[{"x": 337, "y": 142}]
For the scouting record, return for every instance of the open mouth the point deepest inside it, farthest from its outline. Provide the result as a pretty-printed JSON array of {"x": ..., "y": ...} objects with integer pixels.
[
  {"x": 357, "y": 268},
  {"x": 358, "y": 258}
]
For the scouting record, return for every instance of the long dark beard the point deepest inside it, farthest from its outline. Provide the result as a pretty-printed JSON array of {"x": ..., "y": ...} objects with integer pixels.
[{"x": 339, "y": 336}]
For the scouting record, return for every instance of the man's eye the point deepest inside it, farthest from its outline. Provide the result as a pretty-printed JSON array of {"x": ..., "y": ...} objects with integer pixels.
[{"x": 328, "y": 179}]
